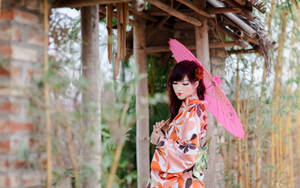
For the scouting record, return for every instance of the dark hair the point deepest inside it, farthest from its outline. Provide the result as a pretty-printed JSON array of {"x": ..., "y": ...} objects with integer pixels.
[{"x": 181, "y": 69}]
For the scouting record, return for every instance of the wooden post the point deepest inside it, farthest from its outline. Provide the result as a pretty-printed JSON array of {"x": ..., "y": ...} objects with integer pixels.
[
  {"x": 142, "y": 111},
  {"x": 202, "y": 44},
  {"x": 91, "y": 71},
  {"x": 202, "y": 52}
]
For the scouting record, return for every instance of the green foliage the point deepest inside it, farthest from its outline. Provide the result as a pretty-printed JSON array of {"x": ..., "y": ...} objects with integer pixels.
[
  {"x": 158, "y": 71},
  {"x": 158, "y": 110}
]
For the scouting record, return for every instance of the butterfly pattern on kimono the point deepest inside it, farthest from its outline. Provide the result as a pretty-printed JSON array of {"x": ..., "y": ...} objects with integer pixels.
[{"x": 181, "y": 156}]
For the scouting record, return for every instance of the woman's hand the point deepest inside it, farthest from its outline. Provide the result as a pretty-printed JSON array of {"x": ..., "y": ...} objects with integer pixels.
[
  {"x": 165, "y": 126},
  {"x": 157, "y": 133}
]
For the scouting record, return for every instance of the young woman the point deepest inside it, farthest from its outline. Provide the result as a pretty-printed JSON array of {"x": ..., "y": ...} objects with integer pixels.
[{"x": 179, "y": 143}]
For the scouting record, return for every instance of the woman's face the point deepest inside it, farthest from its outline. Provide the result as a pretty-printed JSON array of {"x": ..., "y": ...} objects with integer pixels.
[{"x": 185, "y": 88}]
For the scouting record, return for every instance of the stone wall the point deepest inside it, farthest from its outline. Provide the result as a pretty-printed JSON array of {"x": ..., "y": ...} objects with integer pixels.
[{"x": 21, "y": 55}]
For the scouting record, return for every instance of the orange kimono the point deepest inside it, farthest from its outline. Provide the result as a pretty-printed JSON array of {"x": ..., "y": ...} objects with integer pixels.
[{"x": 176, "y": 153}]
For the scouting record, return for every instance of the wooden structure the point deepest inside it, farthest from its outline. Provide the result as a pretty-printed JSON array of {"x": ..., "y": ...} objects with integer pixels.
[
  {"x": 230, "y": 23},
  {"x": 177, "y": 18},
  {"x": 200, "y": 25}
]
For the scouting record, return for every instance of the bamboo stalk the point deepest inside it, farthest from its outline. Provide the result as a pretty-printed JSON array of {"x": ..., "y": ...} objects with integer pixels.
[
  {"x": 269, "y": 20},
  {"x": 72, "y": 154},
  {"x": 287, "y": 148},
  {"x": 47, "y": 99},
  {"x": 120, "y": 141},
  {"x": 109, "y": 14},
  {"x": 119, "y": 38},
  {"x": 227, "y": 164},
  {"x": 247, "y": 115},
  {"x": 297, "y": 113},
  {"x": 126, "y": 21},
  {"x": 239, "y": 148},
  {"x": 280, "y": 160},
  {"x": 290, "y": 151},
  {"x": 123, "y": 20},
  {"x": 276, "y": 91},
  {"x": 298, "y": 127},
  {"x": 175, "y": 13},
  {"x": 114, "y": 167},
  {"x": 117, "y": 65},
  {"x": 270, "y": 179},
  {"x": 245, "y": 153},
  {"x": 258, "y": 135}
]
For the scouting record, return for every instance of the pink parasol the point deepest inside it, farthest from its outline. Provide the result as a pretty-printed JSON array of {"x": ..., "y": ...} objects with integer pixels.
[{"x": 216, "y": 101}]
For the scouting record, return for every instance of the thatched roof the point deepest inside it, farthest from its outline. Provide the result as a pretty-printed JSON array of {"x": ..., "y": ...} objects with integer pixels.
[{"x": 177, "y": 19}]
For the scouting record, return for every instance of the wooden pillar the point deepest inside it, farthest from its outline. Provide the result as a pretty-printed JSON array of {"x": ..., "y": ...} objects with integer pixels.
[
  {"x": 142, "y": 111},
  {"x": 202, "y": 43},
  {"x": 91, "y": 72},
  {"x": 202, "y": 52}
]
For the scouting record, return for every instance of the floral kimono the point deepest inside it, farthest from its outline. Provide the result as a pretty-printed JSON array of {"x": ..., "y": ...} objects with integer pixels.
[{"x": 180, "y": 157}]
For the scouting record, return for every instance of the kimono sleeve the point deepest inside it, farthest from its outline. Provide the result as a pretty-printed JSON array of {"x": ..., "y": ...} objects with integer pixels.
[{"x": 179, "y": 155}]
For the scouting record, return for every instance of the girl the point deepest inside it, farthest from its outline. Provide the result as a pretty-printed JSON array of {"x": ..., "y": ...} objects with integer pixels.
[{"x": 179, "y": 144}]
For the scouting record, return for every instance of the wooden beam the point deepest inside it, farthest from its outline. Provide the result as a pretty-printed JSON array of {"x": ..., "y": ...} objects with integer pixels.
[
  {"x": 240, "y": 37},
  {"x": 239, "y": 22},
  {"x": 223, "y": 44},
  {"x": 175, "y": 13},
  {"x": 158, "y": 49},
  {"x": 194, "y": 8},
  {"x": 159, "y": 26},
  {"x": 221, "y": 10},
  {"x": 157, "y": 13},
  {"x": 241, "y": 2},
  {"x": 243, "y": 51},
  {"x": 142, "y": 14},
  {"x": 231, "y": 34},
  {"x": 243, "y": 11},
  {"x": 84, "y": 3},
  {"x": 252, "y": 40},
  {"x": 187, "y": 12}
]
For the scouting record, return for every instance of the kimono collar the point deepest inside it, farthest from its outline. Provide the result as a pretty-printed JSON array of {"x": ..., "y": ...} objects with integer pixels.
[{"x": 190, "y": 100}]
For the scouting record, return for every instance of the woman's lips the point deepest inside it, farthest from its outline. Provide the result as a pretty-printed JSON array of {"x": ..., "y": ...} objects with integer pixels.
[{"x": 179, "y": 94}]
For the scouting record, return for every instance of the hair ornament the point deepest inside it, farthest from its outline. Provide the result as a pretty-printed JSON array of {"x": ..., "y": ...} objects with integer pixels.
[{"x": 199, "y": 73}]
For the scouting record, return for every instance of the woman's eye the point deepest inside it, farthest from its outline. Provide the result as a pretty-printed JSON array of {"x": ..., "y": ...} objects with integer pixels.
[
  {"x": 174, "y": 83},
  {"x": 185, "y": 84}
]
